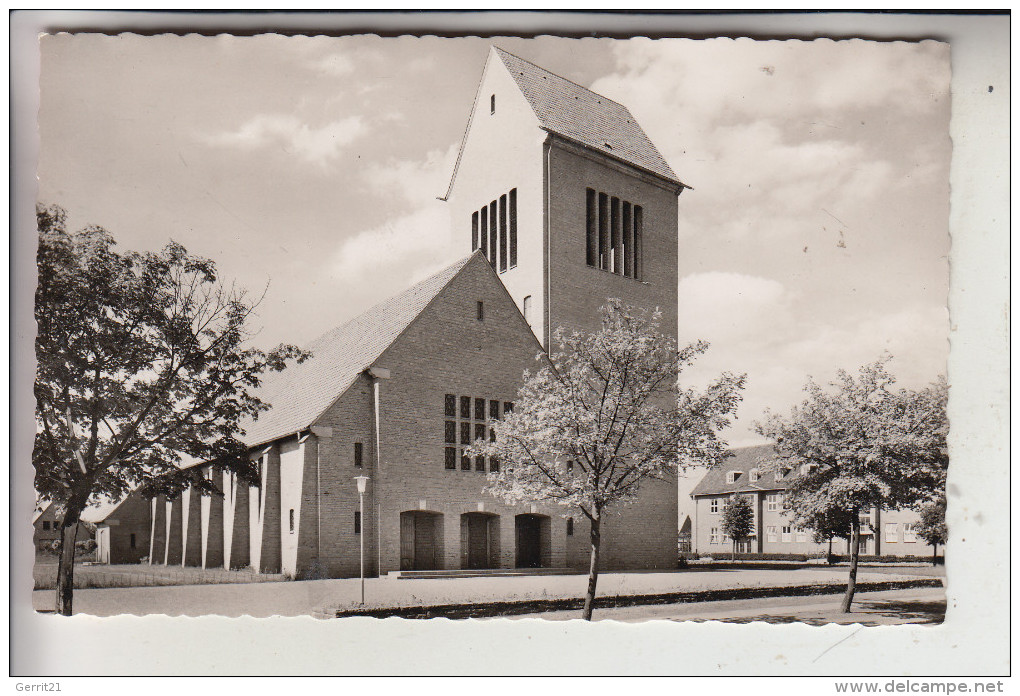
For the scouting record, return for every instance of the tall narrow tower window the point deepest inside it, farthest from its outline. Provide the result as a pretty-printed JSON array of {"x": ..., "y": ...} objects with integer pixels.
[
  {"x": 502, "y": 234},
  {"x": 628, "y": 240},
  {"x": 484, "y": 231},
  {"x": 614, "y": 235},
  {"x": 591, "y": 229},
  {"x": 493, "y": 232},
  {"x": 527, "y": 309},
  {"x": 639, "y": 261},
  {"x": 492, "y": 104},
  {"x": 513, "y": 228},
  {"x": 481, "y": 311},
  {"x": 474, "y": 231},
  {"x": 603, "y": 232}
]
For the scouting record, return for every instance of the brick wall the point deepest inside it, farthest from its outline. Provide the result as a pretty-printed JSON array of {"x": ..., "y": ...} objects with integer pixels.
[{"x": 131, "y": 517}]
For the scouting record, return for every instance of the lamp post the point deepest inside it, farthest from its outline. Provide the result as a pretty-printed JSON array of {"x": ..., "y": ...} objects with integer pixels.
[{"x": 362, "y": 485}]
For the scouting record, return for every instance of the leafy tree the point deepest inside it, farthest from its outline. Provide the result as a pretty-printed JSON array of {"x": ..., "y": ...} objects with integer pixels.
[
  {"x": 864, "y": 445},
  {"x": 605, "y": 415},
  {"x": 141, "y": 360},
  {"x": 932, "y": 524},
  {"x": 827, "y": 524},
  {"x": 738, "y": 520}
]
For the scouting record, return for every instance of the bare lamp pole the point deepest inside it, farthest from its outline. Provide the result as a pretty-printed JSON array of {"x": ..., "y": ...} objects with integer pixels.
[{"x": 362, "y": 485}]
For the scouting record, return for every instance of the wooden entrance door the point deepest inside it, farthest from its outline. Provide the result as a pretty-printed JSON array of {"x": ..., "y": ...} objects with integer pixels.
[
  {"x": 424, "y": 541},
  {"x": 478, "y": 541},
  {"x": 407, "y": 541},
  {"x": 529, "y": 541}
]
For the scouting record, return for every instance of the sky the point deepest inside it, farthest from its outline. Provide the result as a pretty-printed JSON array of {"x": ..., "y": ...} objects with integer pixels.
[{"x": 815, "y": 236}]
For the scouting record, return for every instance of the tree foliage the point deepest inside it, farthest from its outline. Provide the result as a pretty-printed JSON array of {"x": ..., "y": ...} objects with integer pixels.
[
  {"x": 606, "y": 414},
  {"x": 862, "y": 445},
  {"x": 931, "y": 525},
  {"x": 142, "y": 360},
  {"x": 738, "y": 518}
]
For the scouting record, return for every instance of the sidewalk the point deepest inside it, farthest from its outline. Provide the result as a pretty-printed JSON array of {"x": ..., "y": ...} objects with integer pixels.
[{"x": 316, "y": 597}]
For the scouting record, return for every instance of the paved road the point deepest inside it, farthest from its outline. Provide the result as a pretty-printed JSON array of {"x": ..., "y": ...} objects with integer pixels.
[{"x": 919, "y": 605}]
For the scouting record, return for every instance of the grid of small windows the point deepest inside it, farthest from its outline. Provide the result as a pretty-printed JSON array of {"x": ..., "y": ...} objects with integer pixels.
[
  {"x": 494, "y": 231},
  {"x": 614, "y": 234},
  {"x": 467, "y": 420}
]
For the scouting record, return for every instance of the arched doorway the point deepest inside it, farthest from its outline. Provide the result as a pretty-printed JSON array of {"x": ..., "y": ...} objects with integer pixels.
[
  {"x": 421, "y": 540},
  {"x": 533, "y": 541},
  {"x": 479, "y": 540}
]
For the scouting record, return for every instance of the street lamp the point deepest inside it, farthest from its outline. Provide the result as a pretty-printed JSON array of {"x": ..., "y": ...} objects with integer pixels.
[{"x": 362, "y": 485}]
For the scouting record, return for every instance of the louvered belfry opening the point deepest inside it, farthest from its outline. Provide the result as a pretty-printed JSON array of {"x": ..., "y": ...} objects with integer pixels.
[
  {"x": 613, "y": 228},
  {"x": 494, "y": 231}
]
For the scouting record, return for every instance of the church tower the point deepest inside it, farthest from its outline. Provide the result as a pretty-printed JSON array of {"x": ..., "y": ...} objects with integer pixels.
[{"x": 567, "y": 197}]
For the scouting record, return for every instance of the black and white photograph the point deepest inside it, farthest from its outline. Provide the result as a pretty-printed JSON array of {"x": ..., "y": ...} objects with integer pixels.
[{"x": 659, "y": 334}]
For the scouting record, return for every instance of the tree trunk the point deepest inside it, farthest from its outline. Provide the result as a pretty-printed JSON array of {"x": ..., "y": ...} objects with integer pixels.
[
  {"x": 733, "y": 551},
  {"x": 934, "y": 554},
  {"x": 593, "y": 569},
  {"x": 65, "y": 566},
  {"x": 855, "y": 550}
]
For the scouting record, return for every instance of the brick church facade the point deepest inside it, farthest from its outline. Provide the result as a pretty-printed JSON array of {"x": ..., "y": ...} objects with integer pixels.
[{"x": 561, "y": 202}]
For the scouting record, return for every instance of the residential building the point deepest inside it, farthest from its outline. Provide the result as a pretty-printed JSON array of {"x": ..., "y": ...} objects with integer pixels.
[
  {"x": 46, "y": 528},
  {"x": 883, "y": 532}
]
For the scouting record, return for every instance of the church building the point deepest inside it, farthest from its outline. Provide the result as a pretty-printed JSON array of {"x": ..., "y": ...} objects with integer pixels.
[{"x": 562, "y": 202}]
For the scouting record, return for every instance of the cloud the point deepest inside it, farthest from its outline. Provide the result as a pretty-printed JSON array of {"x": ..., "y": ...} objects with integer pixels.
[
  {"x": 289, "y": 134},
  {"x": 729, "y": 307},
  {"x": 417, "y": 181},
  {"x": 334, "y": 64}
]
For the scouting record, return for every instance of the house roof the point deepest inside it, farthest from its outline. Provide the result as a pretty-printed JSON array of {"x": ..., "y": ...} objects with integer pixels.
[
  {"x": 576, "y": 113},
  {"x": 743, "y": 459},
  {"x": 98, "y": 513},
  {"x": 301, "y": 393}
]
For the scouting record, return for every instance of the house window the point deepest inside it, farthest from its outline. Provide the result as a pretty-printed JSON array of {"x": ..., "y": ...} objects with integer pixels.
[
  {"x": 359, "y": 451},
  {"x": 465, "y": 433},
  {"x": 494, "y": 409},
  {"x": 801, "y": 534},
  {"x": 451, "y": 405},
  {"x": 772, "y": 502},
  {"x": 290, "y": 517},
  {"x": 613, "y": 234},
  {"x": 357, "y": 522},
  {"x": 786, "y": 534},
  {"x": 527, "y": 308},
  {"x": 479, "y": 409},
  {"x": 570, "y": 465},
  {"x": 479, "y": 431},
  {"x": 46, "y": 526},
  {"x": 465, "y": 407},
  {"x": 753, "y": 475},
  {"x": 451, "y": 458},
  {"x": 732, "y": 476},
  {"x": 492, "y": 104},
  {"x": 508, "y": 407},
  {"x": 713, "y": 535},
  {"x": 133, "y": 540},
  {"x": 570, "y": 526},
  {"x": 892, "y": 533},
  {"x": 770, "y": 533},
  {"x": 909, "y": 535},
  {"x": 713, "y": 505},
  {"x": 493, "y": 463},
  {"x": 479, "y": 463},
  {"x": 481, "y": 310},
  {"x": 465, "y": 462},
  {"x": 451, "y": 432}
]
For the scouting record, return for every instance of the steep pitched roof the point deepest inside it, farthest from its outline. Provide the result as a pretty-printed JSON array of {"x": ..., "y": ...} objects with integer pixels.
[
  {"x": 744, "y": 459},
  {"x": 576, "y": 113},
  {"x": 98, "y": 513},
  {"x": 301, "y": 393}
]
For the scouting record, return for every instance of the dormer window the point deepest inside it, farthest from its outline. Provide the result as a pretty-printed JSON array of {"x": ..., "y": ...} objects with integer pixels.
[
  {"x": 492, "y": 104},
  {"x": 732, "y": 476},
  {"x": 753, "y": 475}
]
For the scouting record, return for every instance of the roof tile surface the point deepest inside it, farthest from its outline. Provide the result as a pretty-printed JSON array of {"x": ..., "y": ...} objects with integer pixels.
[
  {"x": 743, "y": 460},
  {"x": 574, "y": 112}
]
